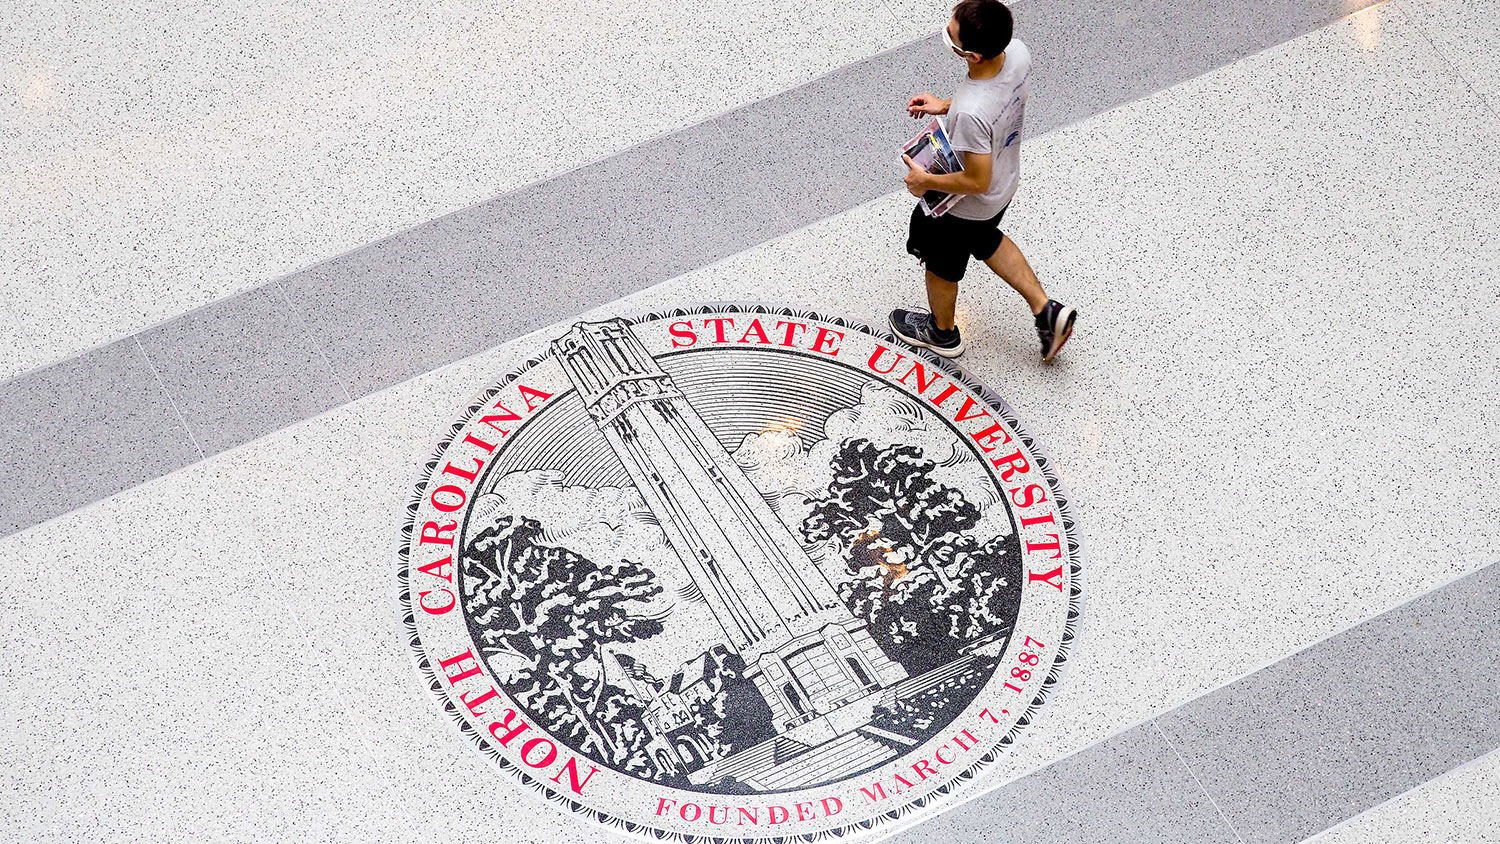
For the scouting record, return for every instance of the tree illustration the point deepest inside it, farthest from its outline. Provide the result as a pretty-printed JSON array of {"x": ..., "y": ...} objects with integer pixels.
[
  {"x": 917, "y": 575},
  {"x": 555, "y": 611},
  {"x": 731, "y": 716}
]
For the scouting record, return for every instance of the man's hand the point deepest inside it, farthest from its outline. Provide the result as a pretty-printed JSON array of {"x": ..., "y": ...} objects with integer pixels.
[
  {"x": 916, "y": 177},
  {"x": 923, "y": 104}
]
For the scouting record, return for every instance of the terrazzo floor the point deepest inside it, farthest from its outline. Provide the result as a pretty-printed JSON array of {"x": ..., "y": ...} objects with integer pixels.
[{"x": 1275, "y": 419}]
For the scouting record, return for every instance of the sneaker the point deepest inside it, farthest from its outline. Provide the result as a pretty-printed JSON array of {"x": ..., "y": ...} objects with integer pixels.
[
  {"x": 1054, "y": 325},
  {"x": 918, "y": 329}
]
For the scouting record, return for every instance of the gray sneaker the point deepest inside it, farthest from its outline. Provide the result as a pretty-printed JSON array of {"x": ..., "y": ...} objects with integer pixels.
[{"x": 918, "y": 329}]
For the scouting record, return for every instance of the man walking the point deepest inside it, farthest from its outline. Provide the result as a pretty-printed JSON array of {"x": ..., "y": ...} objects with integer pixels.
[{"x": 984, "y": 126}]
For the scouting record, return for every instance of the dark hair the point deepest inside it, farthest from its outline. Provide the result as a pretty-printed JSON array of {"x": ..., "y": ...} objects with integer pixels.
[{"x": 984, "y": 27}]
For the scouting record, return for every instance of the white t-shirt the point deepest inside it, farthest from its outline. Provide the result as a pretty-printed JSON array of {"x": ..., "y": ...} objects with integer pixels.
[{"x": 986, "y": 117}]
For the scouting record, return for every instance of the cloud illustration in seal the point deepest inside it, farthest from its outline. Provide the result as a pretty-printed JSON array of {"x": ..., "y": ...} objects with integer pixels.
[
  {"x": 788, "y": 470},
  {"x": 605, "y": 524}
]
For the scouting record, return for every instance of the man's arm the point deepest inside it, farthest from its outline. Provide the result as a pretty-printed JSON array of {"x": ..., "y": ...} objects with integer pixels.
[
  {"x": 924, "y": 104},
  {"x": 975, "y": 177}
]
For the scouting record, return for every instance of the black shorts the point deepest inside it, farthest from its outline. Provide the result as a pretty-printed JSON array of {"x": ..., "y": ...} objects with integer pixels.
[{"x": 945, "y": 243}]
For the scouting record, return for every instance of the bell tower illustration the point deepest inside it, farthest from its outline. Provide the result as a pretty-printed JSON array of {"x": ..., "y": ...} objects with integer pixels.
[{"x": 809, "y": 657}]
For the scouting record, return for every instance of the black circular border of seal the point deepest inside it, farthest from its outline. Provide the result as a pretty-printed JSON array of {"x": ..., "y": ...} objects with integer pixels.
[{"x": 955, "y": 373}]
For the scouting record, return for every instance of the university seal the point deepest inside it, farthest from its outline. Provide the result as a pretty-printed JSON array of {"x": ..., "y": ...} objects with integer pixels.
[{"x": 730, "y": 573}]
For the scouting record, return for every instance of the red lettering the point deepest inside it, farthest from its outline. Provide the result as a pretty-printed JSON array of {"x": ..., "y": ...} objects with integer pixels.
[
  {"x": 711, "y": 815},
  {"x": 1030, "y": 496},
  {"x": 718, "y": 323},
  {"x": 686, "y": 334},
  {"x": 571, "y": 769},
  {"x": 969, "y": 404},
  {"x": 760, "y": 332},
  {"x": 528, "y": 394},
  {"x": 548, "y": 756},
  {"x": 1013, "y": 463},
  {"x": 803, "y": 816},
  {"x": 902, "y": 780},
  {"x": 988, "y": 436},
  {"x": 467, "y": 474},
  {"x": 985, "y": 713},
  {"x": 432, "y": 534},
  {"x": 772, "y": 810},
  {"x": 1054, "y": 545},
  {"x": 838, "y": 806},
  {"x": 791, "y": 332},
  {"x": 823, "y": 337},
  {"x": 661, "y": 805},
  {"x": 938, "y": 400},
  {"x": 876, "y": 355},
  {"x": 457, "y": 662},
  {"x": 505, "y": 415},
  {"x": 923, "y": 382},
  {"x": 877, "y": 795},
  {"x": 922, "y": 768},
  {"x": 448, "y": 489},
  {"x": 1037, "y": 520},
  {"x": 519, "y": 728},
  {"x": 436, "y": 610},
  {"x": 474, "y": 704},
  {"x": 436, "y": 569},
  {"x": 473, "y": 440},
  {"x": 960, "y": 742},
  {"x": 697, "y": 811},
  {"x": 1048, "y": 577},
  {"x": 752, "y": 813},
  {"x": 938, "y": 755}
]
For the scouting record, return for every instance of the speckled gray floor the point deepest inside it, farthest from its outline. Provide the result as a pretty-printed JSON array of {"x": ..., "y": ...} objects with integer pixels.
[
  {"x": 1458, "y": 806},
  {"x": 343, "y": 328},
  {"x": 1284, "y": 753},
  {"x": 1275, "y": 422}
]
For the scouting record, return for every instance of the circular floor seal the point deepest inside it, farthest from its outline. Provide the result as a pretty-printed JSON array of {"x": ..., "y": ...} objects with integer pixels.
[{"x": 730, "y": 573}]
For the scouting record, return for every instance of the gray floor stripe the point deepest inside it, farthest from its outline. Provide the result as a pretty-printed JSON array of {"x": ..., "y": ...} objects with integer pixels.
[
  {"x": 248, "y": 365},
  {"x": 1281, "y": 754},
  {"x": 84, "y": 429}
]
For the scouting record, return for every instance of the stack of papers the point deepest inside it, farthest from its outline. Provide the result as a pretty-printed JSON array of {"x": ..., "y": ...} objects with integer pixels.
[{"x": 931, "y": 151}]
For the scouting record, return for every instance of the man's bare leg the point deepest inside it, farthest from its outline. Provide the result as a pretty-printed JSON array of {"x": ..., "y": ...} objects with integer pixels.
[
  {"x": 942, "y": 298},
  {"x": 1054, "y": 321},
  {"x": 1012, "y": 266}
]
